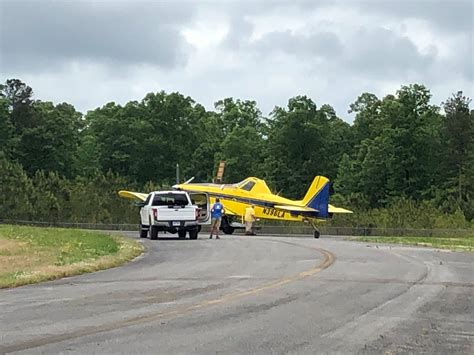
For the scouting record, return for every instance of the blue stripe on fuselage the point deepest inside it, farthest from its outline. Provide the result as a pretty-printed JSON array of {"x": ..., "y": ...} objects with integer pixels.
[{"x": 250, "y": 201}]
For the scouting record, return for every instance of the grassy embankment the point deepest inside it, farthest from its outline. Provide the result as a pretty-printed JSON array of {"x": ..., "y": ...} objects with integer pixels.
[
  {"x": 464, "y": 243},
  {"x": 29, "y": 254}
]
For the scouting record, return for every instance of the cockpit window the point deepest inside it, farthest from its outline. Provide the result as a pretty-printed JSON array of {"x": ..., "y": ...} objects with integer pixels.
[{"x": 248, "y": 186}]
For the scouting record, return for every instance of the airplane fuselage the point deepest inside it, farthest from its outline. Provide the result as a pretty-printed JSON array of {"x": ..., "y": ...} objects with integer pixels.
[{"x": 236, "y": 200}]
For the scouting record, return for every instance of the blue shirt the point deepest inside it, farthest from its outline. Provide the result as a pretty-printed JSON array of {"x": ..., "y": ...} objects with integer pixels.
[{"x": 216, "y": 211}]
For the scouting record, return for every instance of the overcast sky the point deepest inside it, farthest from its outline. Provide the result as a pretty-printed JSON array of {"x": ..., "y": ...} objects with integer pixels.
[{"x": 88, "y": 53}]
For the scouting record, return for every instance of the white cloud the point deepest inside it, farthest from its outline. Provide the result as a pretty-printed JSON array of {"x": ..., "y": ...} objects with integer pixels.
[{"x": 332, "y": 51}]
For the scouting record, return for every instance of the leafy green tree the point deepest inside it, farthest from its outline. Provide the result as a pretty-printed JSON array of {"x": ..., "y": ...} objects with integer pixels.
[
  {"x": 8, "y": 138},
  {"x": 15, "y": 191},
  {"x": 339, "y": 140},
  {"x": 144, "y": 140},
  {"x": 242, "y": 150},
  {"x": 458, "y": 134},
  {"x": 298, "y": 146},
  {"x": 368, "y": 122},
  {"x": 15, "y": 114},
  {"x": 402, "y": 163},
  {"x": 94, "y": 199},
  {"x": 401, "y": 148},
  {"x": 50, "y": 143},
  {"x": 19, "y": 98},
  {"x": 87, "y": 158},
  {"x": 238, "y": 138},
  {"x": 238, "y": 113},
  {"x": 50, "y": 197},
  {"x": 373, "y": 171},
  {"x": 118, "y": 133},
  {"x": 414, "y": 130},
  {"x": 346, "y": 179},
  {"x": 206, "y": 155}
]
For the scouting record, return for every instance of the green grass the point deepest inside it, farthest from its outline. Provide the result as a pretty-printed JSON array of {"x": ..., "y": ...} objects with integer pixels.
[
  {"x": 465, "y": 243},
  {"x": 31, "y": 254}
]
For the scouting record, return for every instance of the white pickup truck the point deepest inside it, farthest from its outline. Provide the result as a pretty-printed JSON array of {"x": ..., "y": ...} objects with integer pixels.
[{"x": 174, "y": 212}]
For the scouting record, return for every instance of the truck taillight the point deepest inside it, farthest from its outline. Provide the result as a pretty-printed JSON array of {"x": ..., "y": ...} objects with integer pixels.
[
  {"x": 197, "y": 213},
  {"x": 155, "y": 213}
]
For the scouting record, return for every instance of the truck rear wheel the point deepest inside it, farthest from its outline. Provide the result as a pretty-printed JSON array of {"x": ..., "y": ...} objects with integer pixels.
[
  {"x": 182, "y": 233},
  {"x": 153, "y": 233},
  {"x": 143, "y": 231},
  {"x": 193, "y": 234}
]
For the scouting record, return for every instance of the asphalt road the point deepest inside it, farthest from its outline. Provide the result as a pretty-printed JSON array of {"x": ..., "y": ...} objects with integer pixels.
[{"x": 252, "y": 295}]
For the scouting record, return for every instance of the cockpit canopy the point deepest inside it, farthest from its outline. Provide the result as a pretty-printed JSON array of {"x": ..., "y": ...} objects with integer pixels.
[
  {"x": 254, "y": 185},
  {"x": 248, "y": 185}
]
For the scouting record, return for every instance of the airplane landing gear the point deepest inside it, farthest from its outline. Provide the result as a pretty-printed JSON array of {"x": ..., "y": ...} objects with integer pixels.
[
  {"x": 226, "y": 227},
  {"x": 316, "y": 232}
]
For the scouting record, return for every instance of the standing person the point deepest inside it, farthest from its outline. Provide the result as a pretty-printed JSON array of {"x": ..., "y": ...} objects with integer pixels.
[
  {"x": 249, "y": 218},
  {"x": 217, "y": 211}
]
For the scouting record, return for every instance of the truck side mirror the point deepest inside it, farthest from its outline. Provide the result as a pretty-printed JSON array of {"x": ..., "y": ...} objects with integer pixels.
[{"x": 139, "y": 204}]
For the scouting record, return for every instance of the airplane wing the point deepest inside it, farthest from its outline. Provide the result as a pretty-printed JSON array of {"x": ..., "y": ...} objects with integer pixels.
[
  {"x": 133, "y": 195},
  {"x": 334, "y": 209}
]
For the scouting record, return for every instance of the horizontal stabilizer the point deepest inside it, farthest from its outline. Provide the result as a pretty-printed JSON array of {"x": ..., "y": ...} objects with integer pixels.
[
  {"x": 133, "y": 195},
  {"x": 334, "y": 209},
  {"x": 295, "y": 208}
]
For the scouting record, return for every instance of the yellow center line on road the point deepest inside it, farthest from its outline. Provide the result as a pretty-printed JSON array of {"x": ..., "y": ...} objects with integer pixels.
[{"x": 329, "y": 259}]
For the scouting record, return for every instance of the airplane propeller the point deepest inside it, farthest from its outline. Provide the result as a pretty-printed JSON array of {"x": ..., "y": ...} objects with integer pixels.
[{"x": 188, "y": 181}]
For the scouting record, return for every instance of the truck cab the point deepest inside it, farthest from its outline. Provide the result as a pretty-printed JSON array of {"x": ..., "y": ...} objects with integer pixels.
[{"x": 173, "y": 212}]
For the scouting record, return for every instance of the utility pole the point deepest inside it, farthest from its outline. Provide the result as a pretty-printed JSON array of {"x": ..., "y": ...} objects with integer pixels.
[{"x": 177, "y": 173}]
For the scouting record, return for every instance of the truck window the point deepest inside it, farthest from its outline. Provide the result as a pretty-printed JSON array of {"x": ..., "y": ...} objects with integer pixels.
[
  {"x": 170, "y": 200},
  {"x": 147, "y": 200}
]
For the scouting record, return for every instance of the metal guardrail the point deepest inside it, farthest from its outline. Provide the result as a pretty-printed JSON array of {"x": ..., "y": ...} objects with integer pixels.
[
  {"x": 78, "y": 225},
  {"x": 367, "y": 231},
  {"x": 272, "y": 229}
]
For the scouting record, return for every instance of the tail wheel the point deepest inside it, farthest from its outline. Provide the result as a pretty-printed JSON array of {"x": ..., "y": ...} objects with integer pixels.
[
  {"x": 316, "y": 234},
  {"x": 182, "y": 233}
]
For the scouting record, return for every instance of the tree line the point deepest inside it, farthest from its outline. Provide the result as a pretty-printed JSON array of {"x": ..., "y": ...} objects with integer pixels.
[{"x": 402, "y": 156}]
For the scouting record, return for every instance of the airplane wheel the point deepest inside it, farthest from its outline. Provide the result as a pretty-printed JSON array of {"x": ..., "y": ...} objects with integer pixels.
[
  {"x": 182, "y": 233},
  {"x": 153, "y": 233},
  {"x": 228, "y": 229},
  {"x": 316, "y": 234},
  {"x": 143, "y": 231}
]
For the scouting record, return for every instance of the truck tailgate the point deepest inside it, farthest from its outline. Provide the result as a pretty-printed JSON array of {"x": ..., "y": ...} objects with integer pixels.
[{"x": 176, "y": 214}]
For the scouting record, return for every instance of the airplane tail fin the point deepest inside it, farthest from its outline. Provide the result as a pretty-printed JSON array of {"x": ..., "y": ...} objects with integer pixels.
[{"x": 317, "y": 196}]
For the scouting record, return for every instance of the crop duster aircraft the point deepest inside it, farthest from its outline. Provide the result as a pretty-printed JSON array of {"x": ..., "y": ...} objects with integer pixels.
[{"x": 237, "y": 197}]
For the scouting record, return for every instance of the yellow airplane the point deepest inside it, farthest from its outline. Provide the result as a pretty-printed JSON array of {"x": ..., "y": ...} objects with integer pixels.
[{"x": 253, "y": 191}]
